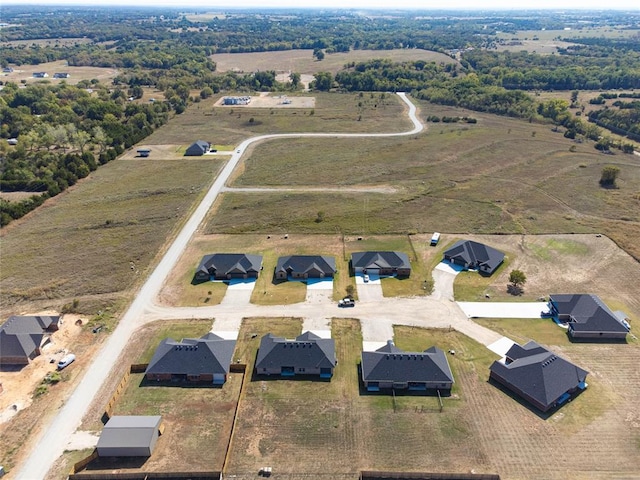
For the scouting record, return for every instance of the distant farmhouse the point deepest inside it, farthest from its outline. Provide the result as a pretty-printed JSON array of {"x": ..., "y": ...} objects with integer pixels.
[
  {"x": 40, "y": 74},
  {"x": 227, "y": 266},
  {"x": 144, "y": 152},
  {"x": 245, "y": 100},
  {"x": 305, "y": 266},
  {"x": 308, "y": 354},
  {"x": 129, "y": 436},
  {"x": 61, "y": 75},
  {"x": 381, "y": 263},
  {"x": 470, "y": 254},
  {"x": 391, "y": 368},
  {"x": 197, "y": 148},
  {"x": 206, "y": 359},
  {"x": 22, "y": 337},
  {"x": 539, "y": 376},
  {"x": 588, "y": 317},
  {"x": 7, "y": 70}
]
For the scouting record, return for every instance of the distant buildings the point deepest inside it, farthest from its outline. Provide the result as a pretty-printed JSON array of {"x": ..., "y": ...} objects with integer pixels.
[{"x": 246, "y": 100}]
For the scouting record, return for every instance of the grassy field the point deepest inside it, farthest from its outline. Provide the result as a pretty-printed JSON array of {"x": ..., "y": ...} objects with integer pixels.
[
  {"x": 25, "y": 72},
  {"x": 521, "y": 330},
  {"x": 302, "y": 61},
  {"x": 453, "y": 178},
  {"x": 99, "y": 238},
  {"x": 348, "y": 112}
]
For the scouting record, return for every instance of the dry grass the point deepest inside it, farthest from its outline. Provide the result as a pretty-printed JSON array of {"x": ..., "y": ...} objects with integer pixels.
[
  {"x": 25, "y": 72},
  {"x": 99, "y": 238},
  {"x": 332, "y": 113},
  {"x": 302, "y": 61}
]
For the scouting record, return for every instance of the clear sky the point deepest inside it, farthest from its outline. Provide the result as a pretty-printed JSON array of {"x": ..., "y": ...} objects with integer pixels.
[{"x": 212, "y": 5}]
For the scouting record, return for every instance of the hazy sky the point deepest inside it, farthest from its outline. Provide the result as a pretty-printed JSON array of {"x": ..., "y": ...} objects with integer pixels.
[{"x": 384, "y": 4}]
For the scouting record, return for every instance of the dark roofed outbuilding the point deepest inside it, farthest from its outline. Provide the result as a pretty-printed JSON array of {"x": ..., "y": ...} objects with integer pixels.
[
  {"x": 308, "y": 354},
  {"x": 391, "y": 368},
  {"x": 205, "y": 359},
  {"x": 129, "y": 436},
  {"x": 470, "y": 254},
  {"x": 587, "y": 317},
  {"x": 538, "y": 375},
  {"x": 381, "y": 263},
  {"x": 305, "y": 266},
  {"x": 227, "y": 266},
  {"x": 197, "y": 148}
]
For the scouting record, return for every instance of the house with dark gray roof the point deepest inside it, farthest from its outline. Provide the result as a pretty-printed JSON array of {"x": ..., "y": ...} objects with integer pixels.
[
  {"x": 206, "y": 359},
  {"x": 381, "y": 263},
  {"x": 587, "y": 317},
  {"x": 227, "y": 266},
  {"x": 197, "y": 148},
  {"x": 474, "y": 255},
  {"x": 307, "y": 354},
  {"x": 305, "y": 266},
  {"x": 21, "y": 337},
  {"x": 391, "y": 368},
  {"x": 538, "y": 375},
  {"x": 129, "y": 436}
]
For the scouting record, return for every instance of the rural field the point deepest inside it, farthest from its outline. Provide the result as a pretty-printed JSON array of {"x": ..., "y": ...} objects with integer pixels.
[
  {"x": 25, "y": 72},
  {"x": 302, "y": 61}
]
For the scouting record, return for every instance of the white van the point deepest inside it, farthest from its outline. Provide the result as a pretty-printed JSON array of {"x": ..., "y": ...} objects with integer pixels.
[
  {"x": 435, "y": 238},
  {"x": 66, "y": 361}
]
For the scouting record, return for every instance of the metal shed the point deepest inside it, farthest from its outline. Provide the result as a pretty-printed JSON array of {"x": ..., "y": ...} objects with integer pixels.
[{"x": 129, "y": 436}]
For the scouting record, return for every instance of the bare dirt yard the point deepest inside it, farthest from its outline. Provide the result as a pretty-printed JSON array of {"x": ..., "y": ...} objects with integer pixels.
[
  {"x": 25, "y": 72},
  {"x": 18, "y": 385},
  {"x": 268, "y": 100}
]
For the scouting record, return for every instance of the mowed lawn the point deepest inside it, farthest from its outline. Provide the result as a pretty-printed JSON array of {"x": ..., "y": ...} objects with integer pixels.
[{"x": 500, "y": 175}]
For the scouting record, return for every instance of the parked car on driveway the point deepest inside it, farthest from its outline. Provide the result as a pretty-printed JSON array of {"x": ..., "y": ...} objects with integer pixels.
[{"x": 365, "y": 277}]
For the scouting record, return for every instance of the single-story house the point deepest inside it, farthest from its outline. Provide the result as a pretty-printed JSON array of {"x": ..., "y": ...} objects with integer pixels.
[
  {"x": 40, "y": 74},
  {"x": 470, "y": 254},
  {"x": 143, "y": 152},
  {"x": 204, "y": 359},
  {"x": 197, "y": 148},
  {"x": 538, "y": 375},
  {"x": 21, "y": 337},
  {"x": 381, "y": 263},
  {"x": 308, "y": 354},
  {"x": 61, "y": 75},
  {"x": 587, "y": 317},
  {"x": 305, "y": 266},
  {"x": 7, "y": 70},
  {"x": 12, "y": 141},
  {"x": 391, "y": 368},
  {"x": 129, "y": 436},
  {"x": 226, "y": 266}
]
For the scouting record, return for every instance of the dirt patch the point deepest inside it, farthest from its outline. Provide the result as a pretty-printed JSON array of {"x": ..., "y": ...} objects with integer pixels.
[
  {"x": 266, "y": 100},
  {"x": 18, "y": 386}
]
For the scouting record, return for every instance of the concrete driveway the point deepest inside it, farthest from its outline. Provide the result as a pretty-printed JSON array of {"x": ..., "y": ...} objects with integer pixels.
[
  {"x": 370, "y": 291},
  {"x": 238, "y": 293},
  {"x": 320, "y": 291},
  {"x": 503, "y": 309},
  {"x": 443, "y": 277}
]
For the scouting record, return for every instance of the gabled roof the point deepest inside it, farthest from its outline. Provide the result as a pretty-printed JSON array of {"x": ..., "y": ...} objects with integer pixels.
[
  {"x": 209, "y": 354},
  {"x": 307, "y": 264},
  {"x": 199, "y": 144},
  {"x": 225, "y": 263},
  {"x": 475, "y": 254},
  {"x": 390, "y": 364},
  {"x": 375, "y": 260},
  {"x": 129, "y": 431},
  {"x": 20, "y": 336},
  {"x": 306, "y": 351},
  {"x": 588, "y": 313},
  {"x": 538, "y": 372}
]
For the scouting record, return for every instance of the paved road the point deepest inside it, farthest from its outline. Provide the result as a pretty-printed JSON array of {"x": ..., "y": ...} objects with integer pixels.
[{"x": 50, "y": 444}]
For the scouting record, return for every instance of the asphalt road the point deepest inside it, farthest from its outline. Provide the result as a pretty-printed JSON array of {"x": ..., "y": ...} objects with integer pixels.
[{"x": 54, "y": 436}]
